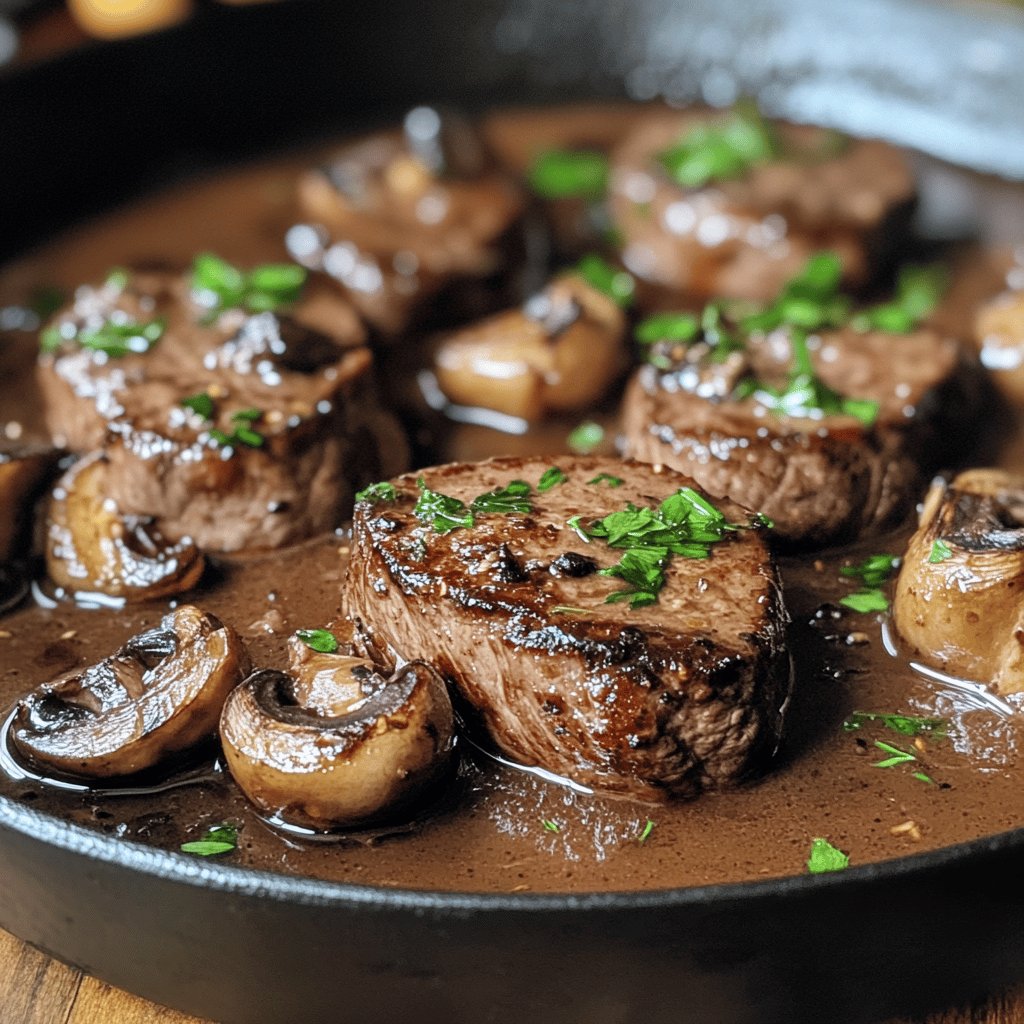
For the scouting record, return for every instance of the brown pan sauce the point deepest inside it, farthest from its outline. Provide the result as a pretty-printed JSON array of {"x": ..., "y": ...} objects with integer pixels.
[{"x": 497, "y": 827}]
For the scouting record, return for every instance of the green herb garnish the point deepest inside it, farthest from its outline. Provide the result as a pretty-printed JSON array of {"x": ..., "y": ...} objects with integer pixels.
[
  {"x": 242, "y": 432},
  {"x": 585, "y": 438},
  {"x": 607, "y": 479},
  {"x": 513, "y": 497},
  {"x": 646, "y": 833},
  {"x": 721, "y": 149},
  {"x": 826, "y": 857},
  {"x": 201, "y": 404},
  {"x": 905, "y": 725},
  {"x": 218, "y": 839},
  {"x": 873, "y": 571},
  {"x": 441, "y": 511},
  {"x": 806, "y": 394},
  {"x": 219, "y": 285},
  {"x": 323, "y": 641},
  {"x": 377, "y": 492},
  {"x": 918, "y": 291},
  {"x": 569, "y": 174},
  {"x": 617, "y": 284},
  {"x": 940, "y": 552},
  {"x": 115, "y": 338},
  {"x": 550, "y": 826},
  {"x": 685, "y": 524},
  {"x": 667, "y": 327},
  {"x": 809, "y": 301},
  {"x": 552, "y": 477},
  {"x": 864, "y": 601},
  {"x": 896, "y": 755}
]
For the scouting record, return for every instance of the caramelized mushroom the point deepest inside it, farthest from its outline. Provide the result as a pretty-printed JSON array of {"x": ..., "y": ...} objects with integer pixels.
[
  {"x": 560, "y": 351},
  {"x": 331, "y": 742},
  {"x": 22, "y": 471},
  {"x": 960, "y": 593},
  {"x": 999, "y": 329},
  {"x": 92, "y": 548},
  {"x": 161, "y": 693}
]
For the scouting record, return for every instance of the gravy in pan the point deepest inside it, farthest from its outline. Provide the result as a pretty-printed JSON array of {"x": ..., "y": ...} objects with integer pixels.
[{"x": 498, "y": 827}]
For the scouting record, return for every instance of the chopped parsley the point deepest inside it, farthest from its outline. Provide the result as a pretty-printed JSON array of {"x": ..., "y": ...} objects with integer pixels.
[
  {"x": 918, "y": 291},
  {"x": 667, "y": 327},
  {"x": 645, "y": 833},
  {"x": 243, "y": 431},
  {"x": 550, "y": 826},
  {"x": 940, "y": 551},
  {"x": 569, "y": 174},
  {"x": 585, "y": 438},
  {"x": 441, "y": 511},
  {"x": 905, "y": 725},
  {"x": 218, "y": 839},
  {"x": 218, "y": 285},
  {"x": 552, "y": 477},
  {"x": 685, "y": 524},
  {"x": 382, "y": 491},
  {"x": 810, "y": 301},
  {"x": 607, "y": 479},
  {"x": 323, "y": 641},
  {"x": 806, "y": 394},
  {"x": 718, "y": 150},
  {"x": 896, "y": 755},
  {"x": 873, "y": 571},
  {"x": 513, "y": 497},
  {"x": 114, "y": 338},
  {"x": 201, "y": 404},
  {"x": 617, "y": 284},
  {"x": 826, "y": 857},
  {"x": 864, "y": 601}
]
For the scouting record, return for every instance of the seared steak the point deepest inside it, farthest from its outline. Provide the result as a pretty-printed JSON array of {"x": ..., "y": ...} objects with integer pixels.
[
  {"x": 669, "y": 699},
  {"x": 237, "y": 429},
  {"x": 399, "y": 217},
  {"x": 744, "y": 235},
  {"x": 822, "y": 480}
]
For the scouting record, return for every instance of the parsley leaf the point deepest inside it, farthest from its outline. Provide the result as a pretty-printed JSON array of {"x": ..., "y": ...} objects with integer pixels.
[
  {"x": 585, "y": 438},
  {"x": 552, "y": 477},
  {"x": 918, "y": 291},
  {"x": 865, "y": 601},
  {"x": 810, "y": 300},
  {"x": 617, "y": 284},
  {"x": 201, "y": 404},
  {"x": 513, "y": 497},
  {"x": 897, "y": 755},
  {"x": 667, "y": 327},
  {"x": 873, "y": 571},
  {"x": 905, "y": 725},
  {"x": 218, "y": 285},
  {"x": 940, "y": 551},
  {"x": 684, "y": 524},
  {"x": 645, "y": 834},
  {"x": 567, "y": 173},
  {"x": 323, "y": 641},
  {"x": 114, "y": 338},
  {"x": 721, "y": 149},
  {"x": 550, "y": 826},
  {"x": 826, "y": 857},
  {"x": 444, "y": 513},
  {"x": 242, "y": 432},
  {"x": 382, "y": 491},
  {"x": 606, "y": 478},
  {"x": 218, "y": 839}
]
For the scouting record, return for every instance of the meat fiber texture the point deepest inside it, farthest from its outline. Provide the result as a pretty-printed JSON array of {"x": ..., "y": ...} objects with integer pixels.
[
  {"x": 307, "y": 372},
  {"x": 826, "y": 480},
  {"x": 668, "y": 700}
]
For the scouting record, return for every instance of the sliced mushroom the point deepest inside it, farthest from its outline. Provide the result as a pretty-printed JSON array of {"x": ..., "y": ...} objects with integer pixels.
[
  {"x": 92, "y": 548},
  {"x": 332, "y": 742},
  {"x": 960, "y": 593},
  {"x": 560, "y": 351},
  {"x": 161, "y": 693}
]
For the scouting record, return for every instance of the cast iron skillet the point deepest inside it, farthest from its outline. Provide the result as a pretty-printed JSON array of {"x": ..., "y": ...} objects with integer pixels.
[{"x": 242, "y": 946}]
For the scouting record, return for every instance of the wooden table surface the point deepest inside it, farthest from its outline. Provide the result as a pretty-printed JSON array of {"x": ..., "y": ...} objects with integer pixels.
[{"x": 37, "y": 990}]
